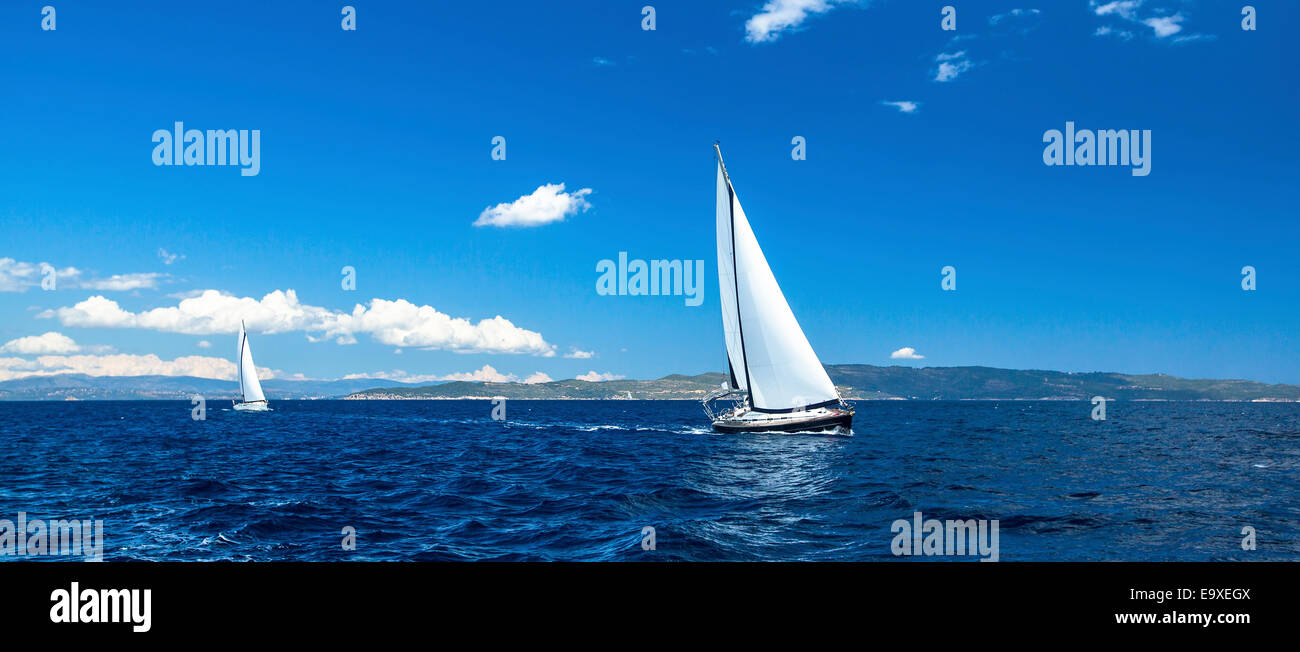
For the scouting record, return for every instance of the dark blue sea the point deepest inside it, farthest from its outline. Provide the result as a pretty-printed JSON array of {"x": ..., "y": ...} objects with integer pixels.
[{"x": 579, "y": 480}]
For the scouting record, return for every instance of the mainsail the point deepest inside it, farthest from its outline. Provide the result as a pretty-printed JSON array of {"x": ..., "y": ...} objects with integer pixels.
[
  {"x": 769, "y": 355},
  {"x": 249, "y": 386}
]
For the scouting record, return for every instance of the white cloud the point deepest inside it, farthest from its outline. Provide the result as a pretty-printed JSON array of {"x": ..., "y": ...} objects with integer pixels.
[
  {"x": 50, "y": 342},
  {"x": 951, "y": 65},
  {"x": 902, "y": 105},
  {"x": 1126, "y": 9},
  {"x": 780, "y": 15},
  {"x": 397, "y": 323},
  {"x": 121, "y": 364},
  {"x": 549, "y": 203},
  {"x": 593, "y": 377},
  {"x": 18, "y": 276},
  {"x": 1014, "y": 13},
  {"x": 1106, "y": 30},
  {"x": 1165, "y": 25},
  {"x": 204, "y": 344},
  {"x": 486, "y": 374},
  {"x": 396, "y": 375},
  {"x": 579, "y": 355},
  {"x": 537, "y": 377},
  {"x": 168, "y": 258},
  {"x": 124, "y": 282},
  {"x": 906, "y": 353}
]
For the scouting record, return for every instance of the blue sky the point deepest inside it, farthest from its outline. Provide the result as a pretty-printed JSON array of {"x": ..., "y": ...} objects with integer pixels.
[{"x": 375, "y": 153}]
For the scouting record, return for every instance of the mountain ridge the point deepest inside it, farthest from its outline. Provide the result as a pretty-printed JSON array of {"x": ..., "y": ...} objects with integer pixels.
[{"x": 855, "y": 382}]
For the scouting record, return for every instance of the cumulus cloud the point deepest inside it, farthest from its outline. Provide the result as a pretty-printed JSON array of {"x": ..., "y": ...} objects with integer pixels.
[
  {"x": 778, "y": 16},
  {"x": 537, "y": 377},
  {"x": 18, "y": 276},
  {"x": 487, "y": 374},
  {"x": 579, "y": 355},
  {"x": 906, "y": 353},
  {"x": 1165, "y": 25},
  {"x": 951, "y": 65},
  {"x": 594, "y": 377},
  {"x": 547, "y": 204},
  {"x": 50, "y": 342},
  {"x": 397, "y": 323},
  {"x": 204, "y": 344},
  {"x": 122, "y": 364},
  {"x": 903, "y": 106}
]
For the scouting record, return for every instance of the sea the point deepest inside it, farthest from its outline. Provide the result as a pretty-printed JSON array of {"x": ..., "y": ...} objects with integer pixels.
[{"x": 648, "y": 481}]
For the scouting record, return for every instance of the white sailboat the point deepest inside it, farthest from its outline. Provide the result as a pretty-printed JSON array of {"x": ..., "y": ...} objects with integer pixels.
[
  {"x": 775, "y": 381},
  {"x": 251, "y": 398}
]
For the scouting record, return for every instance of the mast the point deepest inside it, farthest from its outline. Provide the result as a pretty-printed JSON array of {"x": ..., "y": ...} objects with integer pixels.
[
  {"x": 243, "y": 338},
  {"x": 735, "y": 278}
]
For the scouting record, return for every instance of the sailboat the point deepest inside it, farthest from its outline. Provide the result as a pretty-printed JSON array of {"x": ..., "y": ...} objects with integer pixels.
[
  {"x": 251, "y": 398},
  {"x": 775, "y": 381}
]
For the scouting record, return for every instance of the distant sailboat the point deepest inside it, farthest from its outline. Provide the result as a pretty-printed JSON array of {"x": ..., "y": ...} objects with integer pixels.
[
  {"x": 251, "y": 397},
  {"x": 775, "y": 381}
]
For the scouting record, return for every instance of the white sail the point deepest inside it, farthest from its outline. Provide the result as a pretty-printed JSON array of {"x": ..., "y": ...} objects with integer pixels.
[
  {"x": 780, "y": 369},
  {"x": 249, "y": 386},
  {"x": 727, "y": 285}
]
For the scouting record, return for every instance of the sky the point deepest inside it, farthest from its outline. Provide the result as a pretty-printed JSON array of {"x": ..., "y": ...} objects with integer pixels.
[{"x": 923, "y": 148}]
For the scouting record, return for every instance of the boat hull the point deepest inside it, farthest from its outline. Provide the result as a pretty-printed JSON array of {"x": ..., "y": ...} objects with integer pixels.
[
  {"x": 830, "y": 421},
  {"x": 253, "y": 406}
]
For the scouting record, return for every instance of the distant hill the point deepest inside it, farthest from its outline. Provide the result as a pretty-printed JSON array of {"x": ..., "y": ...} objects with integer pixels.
[
  {"x": 80, "y": 386},
  {"x": 675, "y": 386},
  {"x": 854, "y": 381},
  {"x": 872, "y": 382}
]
